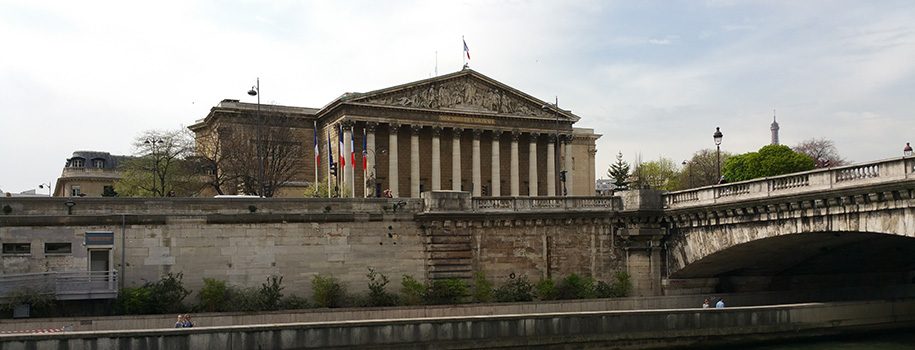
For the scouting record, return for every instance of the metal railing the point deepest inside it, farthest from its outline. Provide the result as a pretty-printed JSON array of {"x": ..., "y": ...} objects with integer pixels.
[
  {"x": 545, "y": 203},
  {"x": 62, "y": 285},
  {"x": 882, "y": 171}
]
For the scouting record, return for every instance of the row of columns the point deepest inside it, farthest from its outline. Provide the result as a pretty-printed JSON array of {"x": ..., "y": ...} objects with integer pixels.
[{"x": 496, "y": 190}]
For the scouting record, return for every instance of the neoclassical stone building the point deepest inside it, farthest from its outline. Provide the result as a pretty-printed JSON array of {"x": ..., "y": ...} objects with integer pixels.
[{"x": 460, "y": 131}]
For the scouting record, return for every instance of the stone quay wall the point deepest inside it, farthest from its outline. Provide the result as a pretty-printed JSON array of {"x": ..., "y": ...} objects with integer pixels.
[
  {"x": 245, "y": 240},
  {"x": 617, "y": 329}
]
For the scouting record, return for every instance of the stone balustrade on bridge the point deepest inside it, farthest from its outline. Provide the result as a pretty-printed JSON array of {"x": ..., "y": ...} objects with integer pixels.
[{"x": 835, "y": 178}]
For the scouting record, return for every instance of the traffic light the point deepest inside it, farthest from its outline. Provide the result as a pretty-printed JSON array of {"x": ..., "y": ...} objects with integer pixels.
[{"x": 333, "y": 169}]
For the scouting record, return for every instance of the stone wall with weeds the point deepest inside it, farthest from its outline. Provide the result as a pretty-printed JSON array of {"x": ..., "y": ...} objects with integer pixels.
[{"x": 168, "y": 294}]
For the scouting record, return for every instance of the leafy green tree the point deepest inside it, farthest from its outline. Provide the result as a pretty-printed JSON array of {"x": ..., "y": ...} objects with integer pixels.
[
  {"x": 660, "y": 174},
  {"x": 770, "y": 160},
  {"x": 619, "y": 172},
  {"x": 160, "y": 167}
]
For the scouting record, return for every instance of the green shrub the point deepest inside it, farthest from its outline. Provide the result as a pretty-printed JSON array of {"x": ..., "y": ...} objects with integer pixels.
[
  {"x": 603, "y": 290},
  {"x": 166, "y": 294},
  {"x": 517, "y": 289},
  {"x": 271, "y": 293},
  {"x": 412, "y": 292},
  {"x": 482, "y": 289},
  {"x": 328, "y": 292},
  {"x": 575, "y": 287},
  {"x": 214, "y": 296},
  {"x": 133, "y": 301},
  {"x": 546, "y": 289},
  {"x": 446, "y": 291},
  {"x": 245, "y": 299},
  {"x": 378, "y": 295},
  {"x": 41, "y": 302},
  {"x": 623, "y": 284},
  {"x": 294, "y": 302},
  {"x": 163, "y": 296}
]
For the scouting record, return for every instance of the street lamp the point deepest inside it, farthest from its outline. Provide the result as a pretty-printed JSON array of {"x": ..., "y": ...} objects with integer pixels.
[
  {"x": 48, "y": 185},
  {"x": 689, "y": 175},
  {"x": 255, "y": 91},
  {"x": 718, "y": 135},
  {"x": 154, "y": 143},
  {"x": 907, "y": 151},
  {"x": 557, "y": 154}
]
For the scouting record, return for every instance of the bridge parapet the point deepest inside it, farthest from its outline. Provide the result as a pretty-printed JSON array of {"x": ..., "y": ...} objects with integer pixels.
[
  {"x": 545, "y": 203},
  {"x": 883, "y": 171}
]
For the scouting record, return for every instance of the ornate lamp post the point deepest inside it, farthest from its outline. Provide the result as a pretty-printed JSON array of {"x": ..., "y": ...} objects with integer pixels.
[
  {"x": 256, "y": 91},
  {"x": 689, "y": 174},
  {"x": 907, "y": 151},
  {"x": 154, "y": 143},
  {"x": 718, "y": 136}
]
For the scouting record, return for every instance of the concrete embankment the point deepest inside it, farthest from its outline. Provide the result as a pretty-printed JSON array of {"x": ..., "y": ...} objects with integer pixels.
[
  {"x": 596, "y": 329},
  {"x": 127, "y": 322}
]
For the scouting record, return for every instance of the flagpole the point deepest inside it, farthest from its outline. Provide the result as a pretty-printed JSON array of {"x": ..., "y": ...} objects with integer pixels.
[
  {"x": 317, "y": 153},
  {"x": 463, "y": 55},
  {"x": 330, "y": 157}
]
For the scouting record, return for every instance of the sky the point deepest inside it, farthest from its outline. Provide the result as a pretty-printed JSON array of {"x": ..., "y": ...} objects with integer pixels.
[{"x": 653, "y": 77}]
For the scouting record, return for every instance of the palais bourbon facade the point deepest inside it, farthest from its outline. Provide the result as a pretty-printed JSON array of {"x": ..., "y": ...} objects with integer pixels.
[{"x": 461, "y": 131}]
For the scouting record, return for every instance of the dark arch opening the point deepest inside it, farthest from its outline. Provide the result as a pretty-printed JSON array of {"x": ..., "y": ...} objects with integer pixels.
[{"x": 809, "y": 261}]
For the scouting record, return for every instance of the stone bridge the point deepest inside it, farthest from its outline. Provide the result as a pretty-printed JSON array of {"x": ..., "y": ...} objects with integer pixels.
[{"x": 843, "y": 226}]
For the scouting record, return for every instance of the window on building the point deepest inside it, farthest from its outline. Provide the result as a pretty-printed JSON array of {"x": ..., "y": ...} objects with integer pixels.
[
  {"x": 77, "y": 163},
  {"x": 58, "y": 248},
  {"x": 17, "y": 248},
  {"x": 98, "y": 163},
  {"x": 74, "y": 191}
]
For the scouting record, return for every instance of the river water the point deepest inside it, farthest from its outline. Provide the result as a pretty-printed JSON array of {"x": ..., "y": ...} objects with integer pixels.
[{"x": 899, "y": 340}]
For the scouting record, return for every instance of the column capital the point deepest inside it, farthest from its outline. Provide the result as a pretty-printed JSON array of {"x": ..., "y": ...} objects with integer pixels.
[
  {"x": 436, "y": 131},
  {"x": 476, "y": 133},
  {"x": 534, "y": 136},
  {"x": 457, "y": 131},
  {"x": 516, "y": 135},
  {"x": 566, "y": 139},
  {"x": 415, "y": 129},
  {"x": 551, "y": 138},
  {"x": 496, "y": 133},
  {"x": 347, "y": 124},
  {"x": 370, "y": 126},
  {"x": 394, "y": 126}
]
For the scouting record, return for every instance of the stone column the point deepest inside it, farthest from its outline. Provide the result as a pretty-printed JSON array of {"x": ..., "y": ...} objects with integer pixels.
[
  {"x": 532, "y": 168},
  {"x": 414, "y": 160},
  {"x": 436, "y": 158},
  {"x": 393, "y": 173},
  {"x": 567, "y": 144},
  {"x": 371, "y": 173},
  {"x": 456, "y": 159},
  {"x": 477, "y": 178},
  {"x": 551, "y": 166},
  {"x": 496, "y": 189},
  {"x": 348, "y": 170},
  {"x": 515, "y": 177}
]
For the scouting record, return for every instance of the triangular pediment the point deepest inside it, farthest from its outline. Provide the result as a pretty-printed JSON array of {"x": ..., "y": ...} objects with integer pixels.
[{"x": 464, "y": 91}]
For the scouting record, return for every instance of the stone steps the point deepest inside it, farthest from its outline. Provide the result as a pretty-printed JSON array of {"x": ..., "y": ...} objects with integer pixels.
[{"x": 449, "y": 254}]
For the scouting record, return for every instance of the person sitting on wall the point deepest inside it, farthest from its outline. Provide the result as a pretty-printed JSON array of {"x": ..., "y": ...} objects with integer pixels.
[
  {"x": 719, "y": 304},
  {"x": 706, "y": 304}
]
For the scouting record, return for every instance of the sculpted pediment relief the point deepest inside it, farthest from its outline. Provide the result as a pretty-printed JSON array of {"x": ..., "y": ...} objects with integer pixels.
[{"x": 460, "y": 94}]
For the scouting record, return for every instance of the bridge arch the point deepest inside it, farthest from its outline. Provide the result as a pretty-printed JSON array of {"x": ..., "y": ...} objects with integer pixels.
[{"x": 790, "y": 246}]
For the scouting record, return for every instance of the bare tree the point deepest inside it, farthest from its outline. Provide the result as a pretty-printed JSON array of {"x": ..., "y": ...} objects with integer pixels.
[
  {"x": 232, "y": 159},
  {"x": 701, "y": 169},
  {"x": 822, "y": 151}
]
